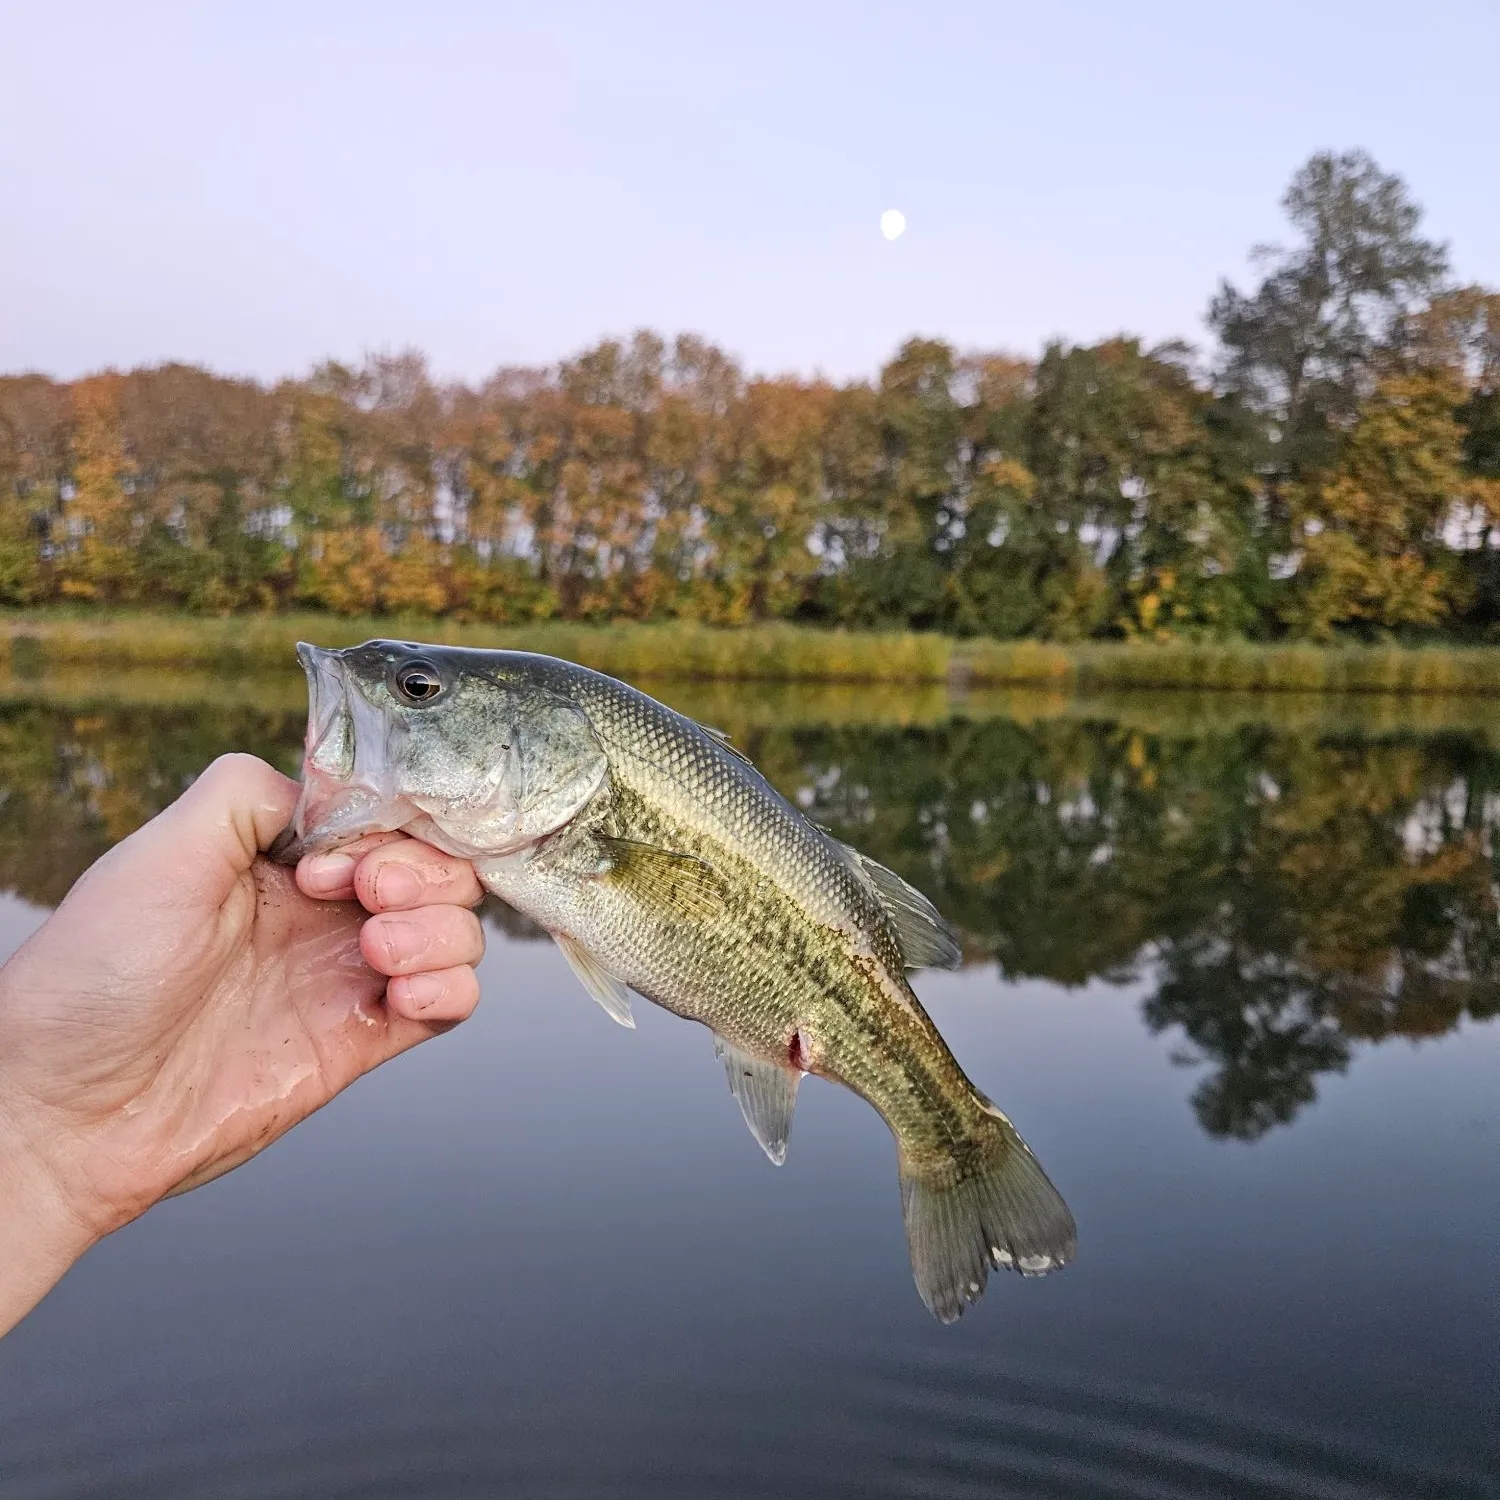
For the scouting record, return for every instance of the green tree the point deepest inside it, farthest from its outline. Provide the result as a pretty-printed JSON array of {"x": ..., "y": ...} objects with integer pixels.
[
  {"x": 1458, "y": 336},
  {"x": 1299, "y": 348},
  {"x": 1141, "y": 520},
  {"x": 891, "y": 550}
]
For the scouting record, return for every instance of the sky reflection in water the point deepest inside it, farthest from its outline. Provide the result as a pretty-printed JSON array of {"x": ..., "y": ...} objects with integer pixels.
[{"x": 543, "y": 1257}]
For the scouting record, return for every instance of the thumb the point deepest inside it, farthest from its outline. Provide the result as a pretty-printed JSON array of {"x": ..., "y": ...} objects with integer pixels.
[{"x": 214, "y": 830}]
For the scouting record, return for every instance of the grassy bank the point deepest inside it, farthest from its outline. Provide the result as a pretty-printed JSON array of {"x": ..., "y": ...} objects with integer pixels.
[
  {"x": 46, "y": 641},
  {"x": 772, "y": 653},
  {"x": 1235, "y": 667}
]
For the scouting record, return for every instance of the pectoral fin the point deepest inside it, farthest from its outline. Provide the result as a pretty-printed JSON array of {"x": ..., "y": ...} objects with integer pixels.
[
  {"x": 680, "y": 884},
  {"x": 611, "y": 993},
  {"x": 767, "y": 1094}
]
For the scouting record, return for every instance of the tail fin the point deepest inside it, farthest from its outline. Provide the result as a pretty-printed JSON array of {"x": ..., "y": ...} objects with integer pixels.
[{"x": 987, "y": 1204}]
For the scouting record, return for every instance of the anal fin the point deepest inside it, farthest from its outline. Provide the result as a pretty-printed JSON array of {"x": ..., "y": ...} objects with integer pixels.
[
  {"x": 611, "y": 993},
  {"x": 767, "y": 1095}
]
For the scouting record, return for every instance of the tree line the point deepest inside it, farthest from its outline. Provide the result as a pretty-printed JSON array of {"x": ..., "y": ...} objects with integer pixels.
[{"x": 1332, "y": 470}]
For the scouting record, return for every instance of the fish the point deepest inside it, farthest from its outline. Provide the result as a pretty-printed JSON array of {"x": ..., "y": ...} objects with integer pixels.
[{"x": 666, "y": 866}]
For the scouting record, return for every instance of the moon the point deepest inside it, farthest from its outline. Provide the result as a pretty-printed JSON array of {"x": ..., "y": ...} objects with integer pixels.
[{"x": 893, "y": 223}]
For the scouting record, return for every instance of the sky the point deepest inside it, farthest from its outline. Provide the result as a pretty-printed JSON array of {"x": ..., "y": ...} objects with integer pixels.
[{"x": 256, "y": 187}]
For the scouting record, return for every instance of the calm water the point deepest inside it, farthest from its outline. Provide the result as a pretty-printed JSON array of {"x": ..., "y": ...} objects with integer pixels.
[{"x": 1235, "y": 983}]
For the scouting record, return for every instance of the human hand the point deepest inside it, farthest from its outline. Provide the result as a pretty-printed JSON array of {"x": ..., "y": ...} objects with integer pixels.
[{"x": 189, "y": 1002}]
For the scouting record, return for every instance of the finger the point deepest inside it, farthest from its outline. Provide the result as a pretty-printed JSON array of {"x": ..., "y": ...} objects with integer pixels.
[
  {"x": 431, "y": 937},
  {"x": 401, "y": 876},
  {"x": 437, "y": 995},
  {"x": 330, "y": 877}
]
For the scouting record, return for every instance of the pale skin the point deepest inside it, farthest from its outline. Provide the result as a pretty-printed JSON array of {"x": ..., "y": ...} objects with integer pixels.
[{"x": 189, "y": 1002}]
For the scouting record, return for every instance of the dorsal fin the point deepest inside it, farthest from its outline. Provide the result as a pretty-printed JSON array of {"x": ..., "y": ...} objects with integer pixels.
[
  {"x": 681, "y": 884},
  {"x": 925, "y": 939},
  {"x": 767, "y": 1095},
  {"x": 723, "y": 738},
  {"x": 612, "y": 994}
]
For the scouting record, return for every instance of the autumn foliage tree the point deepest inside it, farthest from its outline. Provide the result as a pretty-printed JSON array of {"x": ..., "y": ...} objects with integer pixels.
[{"x": 1371, "y": 534}]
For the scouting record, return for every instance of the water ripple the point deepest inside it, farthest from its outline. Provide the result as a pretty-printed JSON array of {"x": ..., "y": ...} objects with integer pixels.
[{"x": 866, "y": 1428}]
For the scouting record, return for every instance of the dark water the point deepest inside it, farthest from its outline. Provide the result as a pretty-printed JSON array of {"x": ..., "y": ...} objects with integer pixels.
[{"x": 1236, "y": 984}]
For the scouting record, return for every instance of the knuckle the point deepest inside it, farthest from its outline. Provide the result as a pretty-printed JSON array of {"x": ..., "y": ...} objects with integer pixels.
[
  {"x": 444, "y": 869},
  {"x": 475, "y": 932},
  {"x": 451, "y": 873}
]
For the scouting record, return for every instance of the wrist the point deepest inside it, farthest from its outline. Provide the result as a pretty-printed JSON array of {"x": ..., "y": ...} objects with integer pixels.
[{"x": 41, "y": 1234}]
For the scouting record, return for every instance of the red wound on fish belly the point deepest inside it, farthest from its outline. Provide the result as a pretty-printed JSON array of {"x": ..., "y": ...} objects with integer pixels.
[{"x": 796, "y": 1053}]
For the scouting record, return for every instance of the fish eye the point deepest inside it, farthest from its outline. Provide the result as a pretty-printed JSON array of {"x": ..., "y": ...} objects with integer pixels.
[{"x": 418, "y": 682}]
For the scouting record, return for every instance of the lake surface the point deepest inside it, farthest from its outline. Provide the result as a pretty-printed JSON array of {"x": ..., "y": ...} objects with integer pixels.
[{"x": 1235, "y": 980}]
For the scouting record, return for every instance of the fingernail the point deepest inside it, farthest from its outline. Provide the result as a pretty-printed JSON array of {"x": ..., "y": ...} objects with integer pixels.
[
  {"x": 424, "y": 990},
  {"x": 398, "y": 885},
  {"x": 403, "y": 940},
  {"x": 327, "y": 872}
]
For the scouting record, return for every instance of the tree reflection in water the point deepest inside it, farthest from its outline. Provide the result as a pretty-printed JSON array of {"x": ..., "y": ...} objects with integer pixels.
[{"x": 1290, "y": 893}]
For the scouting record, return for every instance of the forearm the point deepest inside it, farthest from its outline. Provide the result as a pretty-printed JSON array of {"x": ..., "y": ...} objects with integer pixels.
[{"x": 40, "y": 1235}]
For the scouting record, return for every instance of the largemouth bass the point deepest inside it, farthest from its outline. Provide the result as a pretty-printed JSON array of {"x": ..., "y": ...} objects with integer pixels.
[{"x": 665, "y": 865}]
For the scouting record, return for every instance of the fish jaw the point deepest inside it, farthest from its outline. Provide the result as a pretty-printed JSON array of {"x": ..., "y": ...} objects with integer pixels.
[
  {"x": 332, "y": 813},
  {"x": 348, "y": 767}
]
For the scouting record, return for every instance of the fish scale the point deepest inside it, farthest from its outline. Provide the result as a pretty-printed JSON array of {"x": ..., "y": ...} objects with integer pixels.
[{"x": 665, "y": 864}]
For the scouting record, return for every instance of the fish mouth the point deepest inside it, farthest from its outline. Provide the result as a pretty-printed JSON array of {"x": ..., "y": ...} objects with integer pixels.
[
  {"x": 349, "y": 762},
  {"x": 326, "y": 688}
]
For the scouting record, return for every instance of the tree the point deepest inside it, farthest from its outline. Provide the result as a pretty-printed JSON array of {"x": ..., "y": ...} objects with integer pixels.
[
  {"x": 1301, "y": 346},
  {"x": 1372, "y": 534},
  {"x": 95, "y": 560},
  {"x": 35, "y": 414},
  {"x": 919, "y": 485},
  {"x": 1458, "y": 338},
  {"x": 767, "y": 499},
  {"x": 1140, "y": 518},
  {"x": 996, "y": 570},
  {"x": 202, "y": 454}
]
